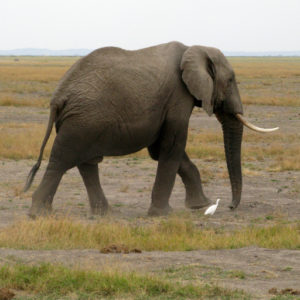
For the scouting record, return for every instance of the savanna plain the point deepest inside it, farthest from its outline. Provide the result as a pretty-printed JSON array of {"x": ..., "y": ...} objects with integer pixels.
[{"x": 250, "y": 253}]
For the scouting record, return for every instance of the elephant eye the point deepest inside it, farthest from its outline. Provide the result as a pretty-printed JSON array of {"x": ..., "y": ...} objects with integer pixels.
[{"x": 231, "y": 79}]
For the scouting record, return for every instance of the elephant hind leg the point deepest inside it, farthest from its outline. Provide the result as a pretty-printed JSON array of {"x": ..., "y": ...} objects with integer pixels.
[
  {"x": 190, "y": 176},
  {"x": 90, "y": 175},
  {"x": 63, "y": 157},
  {"x": 43, "y": 196}
]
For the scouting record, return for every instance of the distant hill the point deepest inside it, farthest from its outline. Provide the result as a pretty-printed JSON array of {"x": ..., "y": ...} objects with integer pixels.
[
  {"x": 262, "y": 53},
  {"x": 82, "y": 52},
  {"x": 44, "y": 52}
]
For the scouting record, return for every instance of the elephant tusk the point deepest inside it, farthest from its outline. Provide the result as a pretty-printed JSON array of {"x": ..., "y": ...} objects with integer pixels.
[{"x": 253, "y": 127}]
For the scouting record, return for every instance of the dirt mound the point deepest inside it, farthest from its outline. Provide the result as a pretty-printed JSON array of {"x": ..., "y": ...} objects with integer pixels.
[
  {"x": 6, "y": 294},
  {"x": 287, "y": 291},
  {"x": 119, "y": 249}
]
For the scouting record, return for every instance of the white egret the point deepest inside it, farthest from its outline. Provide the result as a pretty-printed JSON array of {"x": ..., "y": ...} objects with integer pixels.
[{"x": 211, "y": 210}]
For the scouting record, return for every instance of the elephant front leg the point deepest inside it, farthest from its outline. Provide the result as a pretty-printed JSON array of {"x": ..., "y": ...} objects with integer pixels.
[
  {"x": 90, "y": 176},
  {"x": 170, "y": 149},
  {"x": 190, "y": 176},
  {"x": 164, "y": 182}
]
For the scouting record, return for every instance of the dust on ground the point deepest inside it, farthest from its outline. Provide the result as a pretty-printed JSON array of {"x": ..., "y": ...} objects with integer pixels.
[{"x": 127, "y": 183}]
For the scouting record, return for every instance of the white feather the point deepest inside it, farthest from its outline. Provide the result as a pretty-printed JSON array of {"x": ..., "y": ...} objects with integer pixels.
[{"x": 211, "y": 210}]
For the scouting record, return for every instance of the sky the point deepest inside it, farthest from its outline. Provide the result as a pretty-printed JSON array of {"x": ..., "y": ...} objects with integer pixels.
[{"x": 231, "y": 25}]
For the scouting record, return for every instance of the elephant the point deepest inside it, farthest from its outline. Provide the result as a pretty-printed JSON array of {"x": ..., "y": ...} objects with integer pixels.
[{"x": 114, "y": 102}]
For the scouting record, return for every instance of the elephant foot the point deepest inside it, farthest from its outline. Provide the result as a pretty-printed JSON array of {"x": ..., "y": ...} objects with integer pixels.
[
  {"x": 233, "y": 205},
  {"x": 197, "y": 203},
  {"x": 100, "y": 210},
  {"x": 159, "y": 211},
  {"x": 39, "y": 211}
]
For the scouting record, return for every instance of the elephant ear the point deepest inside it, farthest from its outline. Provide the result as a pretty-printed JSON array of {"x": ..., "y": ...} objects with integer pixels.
[{"x": 197, "y": 74}]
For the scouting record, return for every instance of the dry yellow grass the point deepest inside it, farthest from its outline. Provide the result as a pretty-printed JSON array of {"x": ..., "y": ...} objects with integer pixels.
[
  {"x": 209, "y": 146},
  {"x": 23, "y": 141},
  {"x": 277, "y": 100},
  {"x": 11, "y": 100},
  {"x": 24, "y": 72},
  {"x": 268, "y": 80},
  {"x": 266, "y": 67},
  {"x": 31, "y": 80},
  {"x": 176, "y": 233},
  {"x": 262, "y": 80}
]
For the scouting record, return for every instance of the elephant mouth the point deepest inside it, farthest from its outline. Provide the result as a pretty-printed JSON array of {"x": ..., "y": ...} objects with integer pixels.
[{"x": 253, "y": 127}]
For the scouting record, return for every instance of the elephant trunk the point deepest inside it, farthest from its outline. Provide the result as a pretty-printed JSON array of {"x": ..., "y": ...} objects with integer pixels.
[{"x": 233, "y": 133}]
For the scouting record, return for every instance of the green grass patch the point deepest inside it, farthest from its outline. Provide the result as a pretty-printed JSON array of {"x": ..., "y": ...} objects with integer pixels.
[
  {"x": 176, "y": 233},
  {"x": 285, "y": 297},
  {"x": 58, "y": 282},
  {"x": 202, "y": 272}
]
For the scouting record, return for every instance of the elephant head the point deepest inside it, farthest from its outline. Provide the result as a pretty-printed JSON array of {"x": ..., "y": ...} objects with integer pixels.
[{"x": 210, "y": 78}]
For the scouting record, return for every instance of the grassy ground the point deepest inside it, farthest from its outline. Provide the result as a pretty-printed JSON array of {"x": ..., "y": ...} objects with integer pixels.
[
  {"x": 177, "y": 233},
  {"x": 30, "y": 81},
  {"x": 57, "y": 282},
  {"x": 268, "y": 80}
]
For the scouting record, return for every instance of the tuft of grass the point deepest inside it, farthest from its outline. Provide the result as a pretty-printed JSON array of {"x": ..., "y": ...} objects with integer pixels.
[
  {"x": 14, "y": 100},
  {"x": 196, "y": 272},
  {"x": 266, "y": 99},
  {"x": 285, "y": 297},
  {"x": 58, "y": 281},
  {"x": 173, "y": 234}
]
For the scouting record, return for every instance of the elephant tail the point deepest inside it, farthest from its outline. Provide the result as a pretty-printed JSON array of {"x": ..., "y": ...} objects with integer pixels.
[{"x": 47, "y": 135}]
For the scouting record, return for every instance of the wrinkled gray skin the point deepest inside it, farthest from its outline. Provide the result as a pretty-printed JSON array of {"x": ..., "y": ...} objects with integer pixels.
[{"x": 115, "y": 102}]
